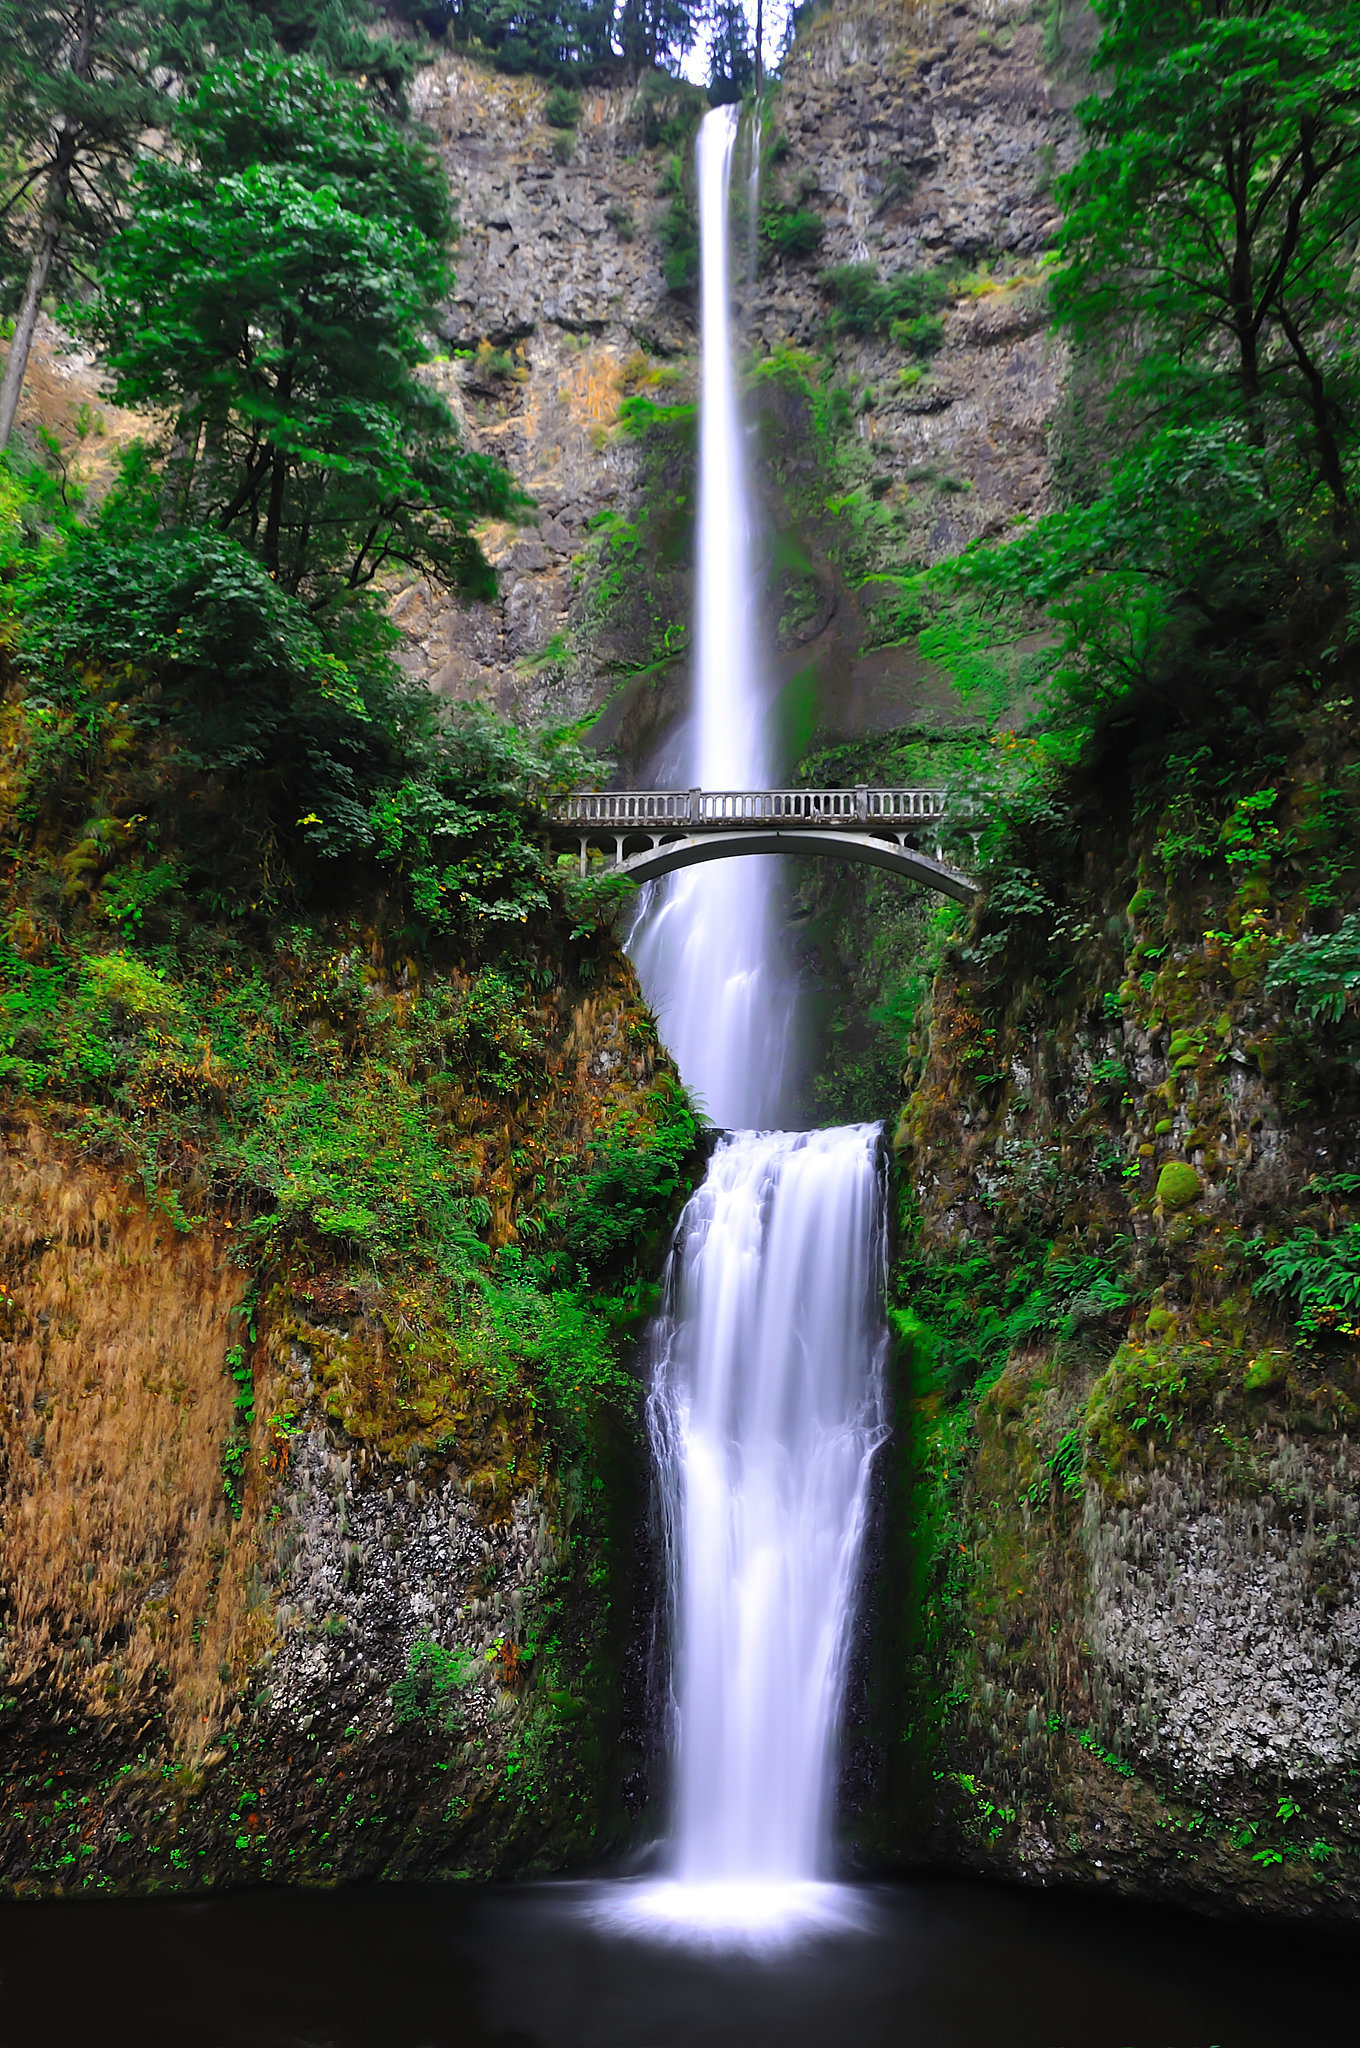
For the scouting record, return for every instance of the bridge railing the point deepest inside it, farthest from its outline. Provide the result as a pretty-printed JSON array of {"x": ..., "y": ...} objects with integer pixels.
[{"x": 676, "y": 809}]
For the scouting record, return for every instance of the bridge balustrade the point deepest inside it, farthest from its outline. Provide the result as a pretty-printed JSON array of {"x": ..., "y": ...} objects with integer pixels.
[{"x": 650, "y": 809}]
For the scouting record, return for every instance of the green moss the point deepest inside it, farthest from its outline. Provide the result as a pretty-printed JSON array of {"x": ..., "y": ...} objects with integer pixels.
[{"x": 1178, "y": 1184}]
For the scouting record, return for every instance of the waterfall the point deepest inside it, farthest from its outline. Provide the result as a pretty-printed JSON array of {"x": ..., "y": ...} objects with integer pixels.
[
  {"x": 765, "y": 1407},
  {"x": 765, "y": 1413},
  {"x": 705, "y": 941}
]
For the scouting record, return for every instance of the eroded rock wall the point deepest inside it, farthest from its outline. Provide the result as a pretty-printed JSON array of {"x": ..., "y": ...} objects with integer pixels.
[
  {"x": 301, "y": 1577},
  {"x": 920, "y": 137},
  {"x": 1128, "y": 1457}
]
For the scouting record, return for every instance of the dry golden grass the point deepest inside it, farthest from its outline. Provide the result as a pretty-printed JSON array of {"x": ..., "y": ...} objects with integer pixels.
[{"x": 126, "y": 1584}]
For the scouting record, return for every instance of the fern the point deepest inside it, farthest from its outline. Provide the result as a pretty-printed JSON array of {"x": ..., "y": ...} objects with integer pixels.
[
  {"x": 1320, "y": 976},
  {"x": 1321, "y": 1274}
]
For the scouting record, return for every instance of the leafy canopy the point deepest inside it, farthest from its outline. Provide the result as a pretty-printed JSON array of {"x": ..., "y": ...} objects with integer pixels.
[
  {"x": 284, "y": 307},
  {"x": 1211, "y": 222},
  {"x": 1208, "y": 243}
]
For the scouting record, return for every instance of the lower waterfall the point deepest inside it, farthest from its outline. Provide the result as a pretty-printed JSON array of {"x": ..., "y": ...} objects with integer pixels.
[{"x": 765, "y": 1412}]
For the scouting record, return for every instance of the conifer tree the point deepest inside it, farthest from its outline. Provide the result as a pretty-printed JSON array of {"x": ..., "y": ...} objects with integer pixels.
[{"x": 76, "y": 94}]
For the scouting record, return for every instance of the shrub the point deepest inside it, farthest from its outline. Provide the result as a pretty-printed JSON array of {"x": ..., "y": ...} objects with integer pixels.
[
  {"x": 630, "y": 1193},
  {"x": 1322, "y": 1274},
  {"x": 677, "y": 230},
  {"x": 562, "y": 108},
  {"x": 669, "y": 109},
  {"x": 277, "y": 756},
  {"x": 429, "y": 1691},
  {"x": 1320, "y": 976},
  {"x": 793, "y": 231},
  {"x": 905, "y": 307}
]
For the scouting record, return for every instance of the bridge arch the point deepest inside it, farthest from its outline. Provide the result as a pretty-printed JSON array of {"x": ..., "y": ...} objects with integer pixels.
[
  {"x": 652, "y": 832},
  {"x": 666, "y": 856}
]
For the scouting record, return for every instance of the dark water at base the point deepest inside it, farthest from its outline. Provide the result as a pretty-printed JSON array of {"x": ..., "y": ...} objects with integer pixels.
[{"x": 936, "y": 1964}]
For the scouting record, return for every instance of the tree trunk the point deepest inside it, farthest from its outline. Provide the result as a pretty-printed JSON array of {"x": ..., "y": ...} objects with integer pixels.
[
  {"x": 1324, "y": 424},
  {"x": 760, "y": 47},
  {"x": 39, "y": 270},
  {"x": 179, "y": 467}
]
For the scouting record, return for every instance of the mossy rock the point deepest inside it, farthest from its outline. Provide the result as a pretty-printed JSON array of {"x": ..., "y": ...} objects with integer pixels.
[{"x": 1178, "y": 1185}]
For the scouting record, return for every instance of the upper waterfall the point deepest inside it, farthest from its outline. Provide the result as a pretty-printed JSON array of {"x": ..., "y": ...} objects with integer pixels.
[{"x": 706, "y": 942}]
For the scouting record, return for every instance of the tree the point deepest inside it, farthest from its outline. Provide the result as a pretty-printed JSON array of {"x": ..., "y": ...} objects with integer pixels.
[
  {"x": 81, "y": 84},
  {"x": 76, "y": 94},
  {"x": 342, "y": 35},
  {"x": 731, "y": 62},
  {"x": 554, "y": 37},
  {"x": 657, "y": 32},
  {"x": 1212, "y": 222},
  {"x": 284, "y": 309}
]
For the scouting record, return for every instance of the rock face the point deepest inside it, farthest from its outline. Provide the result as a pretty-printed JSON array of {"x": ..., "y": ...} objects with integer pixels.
[
  {"x": 1229, "y": 1629},
  {"x": 1130, "y": 1516},
  {"x": 926, "y": 137},
  {"x": 920, "y": 138},
  {"x": 297, "y": 1584}
]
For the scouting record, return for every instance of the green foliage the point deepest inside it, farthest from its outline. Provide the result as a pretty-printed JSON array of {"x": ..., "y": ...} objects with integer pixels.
[
  {"x": 490, "y": 1035},
  {"x": 1212, "y": 215},
  {"x": 1319, "y": 975},
  {"x": 182, "y": 642},
  {"x": 965, "y": 1316},
  {"x": 731, "y": 54},
  {"x": 1320, "y": 1274},
  {"x": 73, "y": 106},
  {"x": 669, "y": 110},
  {"x": 573, "y": 38},
  {"x": 562, "y": 109},
  {"x": 677, "y": 230},
  {"x": 626, "y": 1198},
  {"x": 792, "y": 231},
  {"x": 905, "y": 306},
  {"x": 595, "y": 900},
  {"x": 276, "y": 281},
  {"x": 342, "y": 35},
  {"x": 565, "y": 1342},
  {"x": 430, "y": 1689}
]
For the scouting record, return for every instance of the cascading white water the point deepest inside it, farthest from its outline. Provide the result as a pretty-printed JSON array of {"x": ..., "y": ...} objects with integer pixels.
[
  {"x": 705, "y": 943},
  {"x": 766, "y": 1405},
  {"x": 765, "y": 1414}
]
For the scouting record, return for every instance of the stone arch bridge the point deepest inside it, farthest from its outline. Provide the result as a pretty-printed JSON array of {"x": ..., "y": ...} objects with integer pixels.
[{"x": 651, "y": 832}]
